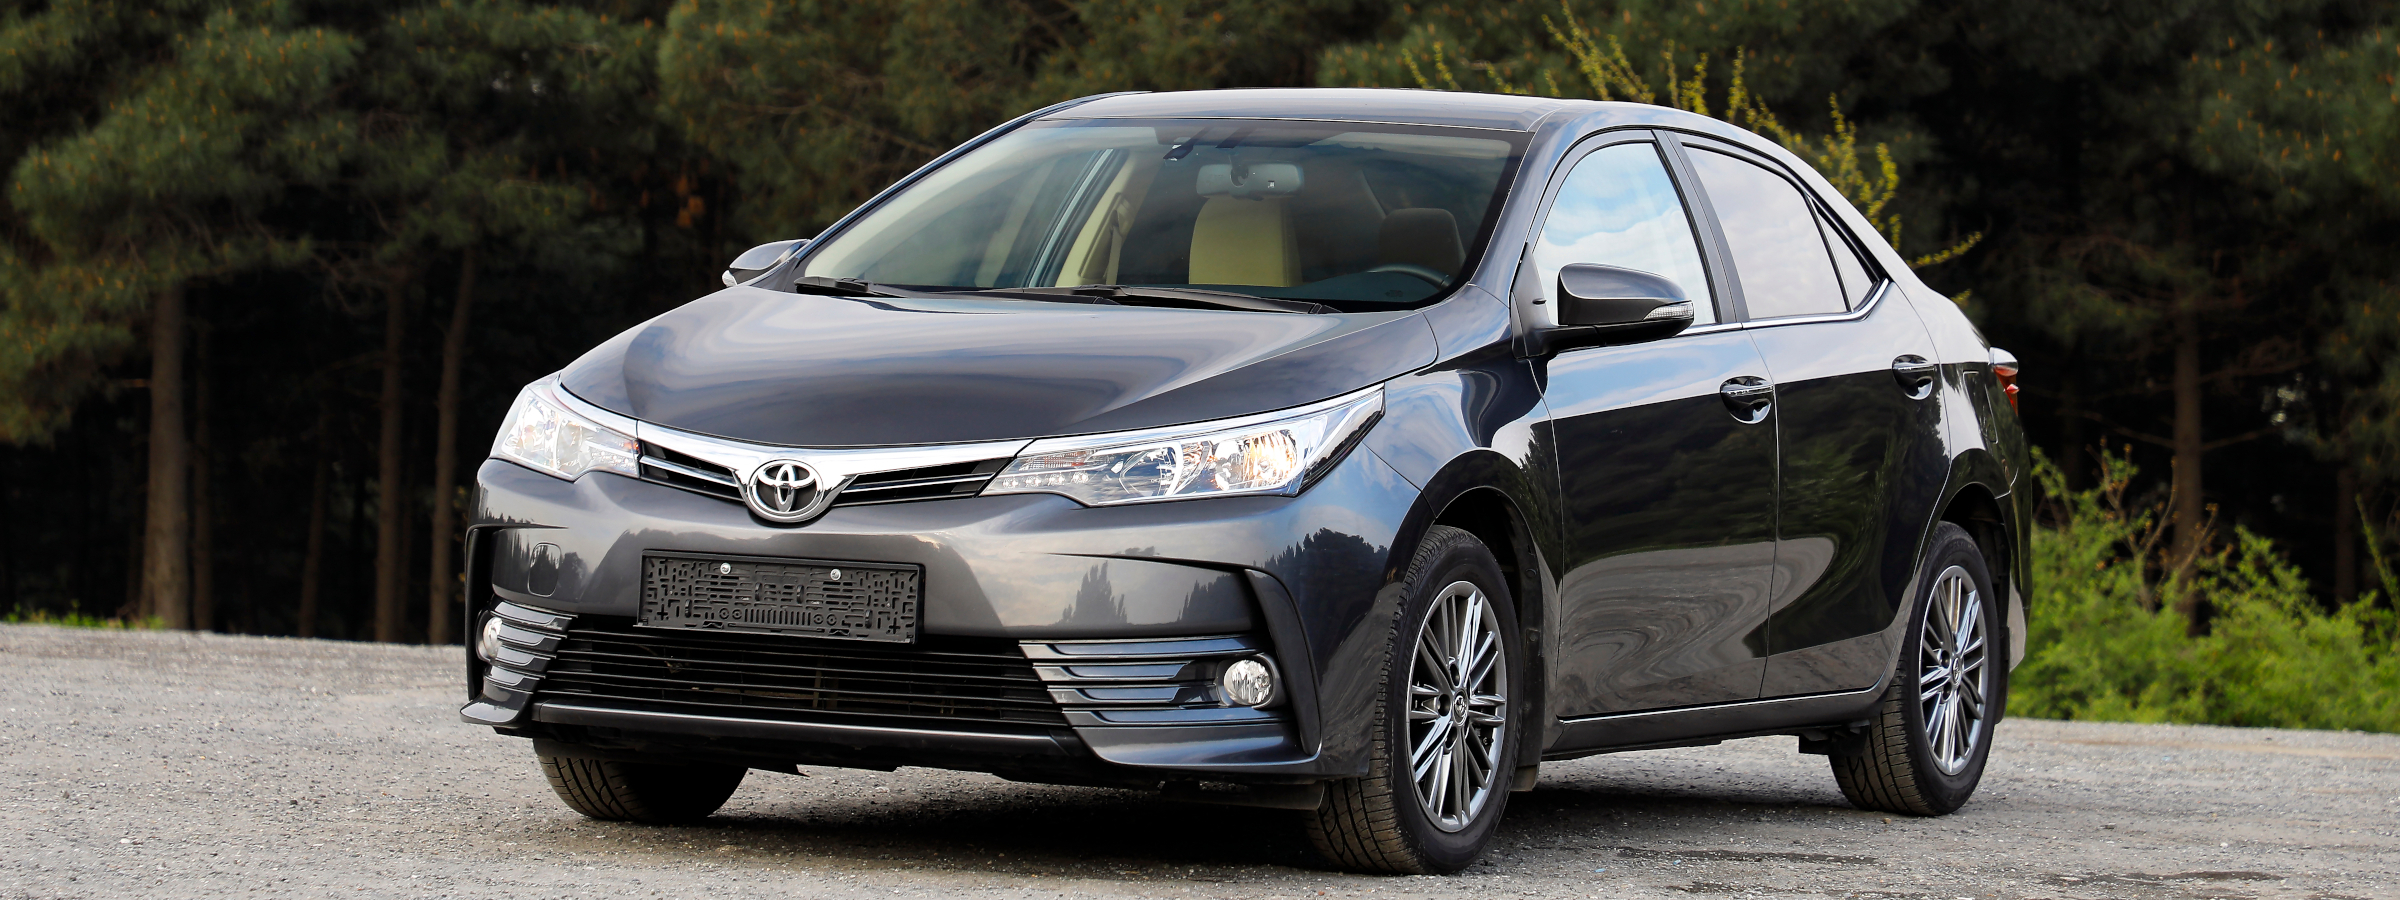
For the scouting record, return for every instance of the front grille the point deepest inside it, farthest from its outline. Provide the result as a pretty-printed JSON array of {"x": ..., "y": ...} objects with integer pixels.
[
  {"x": 939, "y": 683},
  {"x": 926, "y": 483},
  {"x": 683, "y": 470},
  {"x": 689, "y": 472}
]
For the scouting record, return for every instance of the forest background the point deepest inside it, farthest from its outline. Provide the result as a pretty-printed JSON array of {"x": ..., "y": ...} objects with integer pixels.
[{"x": 271, "y": 271}]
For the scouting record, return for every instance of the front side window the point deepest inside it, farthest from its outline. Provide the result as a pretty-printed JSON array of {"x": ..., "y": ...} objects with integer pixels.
[
  {"x": 1772, "y": 231},
  {"x": 1357, "y": 216},
  {"x": 1619, "y": 208}
]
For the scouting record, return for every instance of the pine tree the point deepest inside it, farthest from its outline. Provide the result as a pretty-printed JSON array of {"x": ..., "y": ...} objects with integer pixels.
[{"x": 155, "y": 185}]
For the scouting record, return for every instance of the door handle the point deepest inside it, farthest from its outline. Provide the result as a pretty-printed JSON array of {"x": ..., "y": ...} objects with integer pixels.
[
  {"x": 1748, "y": 398},
  {"x": 1916, "y": 375}
]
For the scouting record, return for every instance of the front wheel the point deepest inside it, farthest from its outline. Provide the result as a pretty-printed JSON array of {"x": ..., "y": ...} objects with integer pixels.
[
  {"x": 641, "y": 792},
  {"x": 1445, "y": 735},
  {"x": 1925, "y": 750}
]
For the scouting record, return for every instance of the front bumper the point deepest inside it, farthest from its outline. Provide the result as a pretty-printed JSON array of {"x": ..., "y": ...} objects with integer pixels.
[{"x": 1112, "y": 623}]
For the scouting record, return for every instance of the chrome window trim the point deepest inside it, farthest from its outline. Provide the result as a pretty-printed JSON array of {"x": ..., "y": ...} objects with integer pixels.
[
  {"x": 1874, "y": 299},
  {"x": 1710, "y": 328}
]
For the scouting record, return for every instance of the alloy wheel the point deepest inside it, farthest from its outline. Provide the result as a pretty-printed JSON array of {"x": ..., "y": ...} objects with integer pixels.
[
  {"x": 1457, "y": 707},
  {"x": 1952, "y": 682}
]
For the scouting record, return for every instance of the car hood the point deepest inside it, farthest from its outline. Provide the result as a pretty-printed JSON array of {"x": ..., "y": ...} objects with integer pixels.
[{"x": 807, "y": 370}]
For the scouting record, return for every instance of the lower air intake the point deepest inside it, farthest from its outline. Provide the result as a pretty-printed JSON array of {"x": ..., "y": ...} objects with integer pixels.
[{"x": 943, "y": 683}]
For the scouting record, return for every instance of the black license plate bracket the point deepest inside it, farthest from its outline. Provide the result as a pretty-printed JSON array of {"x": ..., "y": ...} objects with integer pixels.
[{"x": 859, "y": 601}]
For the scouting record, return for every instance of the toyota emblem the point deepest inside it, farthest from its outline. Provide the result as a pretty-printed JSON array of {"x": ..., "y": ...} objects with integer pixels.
[{"x": 785, "y": 490}]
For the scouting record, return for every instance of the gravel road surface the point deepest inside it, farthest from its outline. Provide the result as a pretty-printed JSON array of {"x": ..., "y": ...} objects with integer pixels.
[{"x": 171, "y": 765}]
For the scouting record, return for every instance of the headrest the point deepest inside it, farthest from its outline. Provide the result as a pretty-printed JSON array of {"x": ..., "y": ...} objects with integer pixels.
[
  {"x": 1254, "y": 181},
  {"x": 1244, "y": 242},
  {"x": 1422, "y": 236}
]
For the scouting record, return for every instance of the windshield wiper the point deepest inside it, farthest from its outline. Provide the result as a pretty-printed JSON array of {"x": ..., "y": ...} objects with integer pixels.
[
  {"x": 1177, "y": 297},
  {"x": 840, "y": 287}
]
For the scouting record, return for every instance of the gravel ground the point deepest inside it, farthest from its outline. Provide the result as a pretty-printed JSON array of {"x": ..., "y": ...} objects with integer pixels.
[{"x": 159, "y": 765}]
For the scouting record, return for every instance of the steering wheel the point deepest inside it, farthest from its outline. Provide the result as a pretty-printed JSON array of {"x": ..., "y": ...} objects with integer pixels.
[{"x": 1435, "y": 278}]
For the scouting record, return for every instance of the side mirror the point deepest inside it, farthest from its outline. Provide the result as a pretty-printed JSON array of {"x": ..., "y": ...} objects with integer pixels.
[
  {"x": 761, "y": 258},
  {"x": 1609, "y": 305}
]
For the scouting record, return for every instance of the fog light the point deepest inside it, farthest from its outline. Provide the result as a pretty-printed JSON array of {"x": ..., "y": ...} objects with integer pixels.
[
  {"x": 1248, "y": 682},
  {"x": 487, "y": 643}
]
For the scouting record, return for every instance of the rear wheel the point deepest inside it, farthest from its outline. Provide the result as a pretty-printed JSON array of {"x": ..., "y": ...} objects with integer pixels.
[
  {"x": 1445, "y": 736},
  {"x": 641, "y": 792},
  {"x": 1925, "y": 751}
]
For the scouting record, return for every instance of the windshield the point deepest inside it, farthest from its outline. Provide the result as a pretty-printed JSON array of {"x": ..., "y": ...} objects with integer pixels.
[{"x": 1356, "y": 216}]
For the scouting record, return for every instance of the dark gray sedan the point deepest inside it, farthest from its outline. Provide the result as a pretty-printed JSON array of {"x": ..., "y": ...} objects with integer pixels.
[{"x": 1350, "y": 452}]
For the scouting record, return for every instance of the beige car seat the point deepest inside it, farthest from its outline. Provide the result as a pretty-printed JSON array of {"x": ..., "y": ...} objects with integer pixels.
[{"x": 1237, "y": 241}]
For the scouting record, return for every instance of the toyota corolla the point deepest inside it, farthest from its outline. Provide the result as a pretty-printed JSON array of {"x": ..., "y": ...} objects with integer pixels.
[{"x": 1341, "y": 451}]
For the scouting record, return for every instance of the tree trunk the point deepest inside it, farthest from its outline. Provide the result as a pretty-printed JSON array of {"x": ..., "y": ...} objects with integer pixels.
[
  {"x": 204, "y": 542},
  {"x": 389, "y": 614},
  {"x": 2191, "y": 507},
  {"x": 442, "y": 597},
  {"x": 166, "y": 544},
  {"x": 312, "y": 562},
  {"x": 2345, "y": 535}
]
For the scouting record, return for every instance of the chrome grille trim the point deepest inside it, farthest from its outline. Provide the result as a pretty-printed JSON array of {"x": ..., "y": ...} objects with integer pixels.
[
  {"x": 916, "y": 482},
  {"x": 693, "y": 471},
  {"x": 837, "y": 467}
]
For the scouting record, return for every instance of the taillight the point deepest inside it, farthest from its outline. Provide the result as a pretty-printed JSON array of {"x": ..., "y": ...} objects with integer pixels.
[{"x": 2004, "y": 370}]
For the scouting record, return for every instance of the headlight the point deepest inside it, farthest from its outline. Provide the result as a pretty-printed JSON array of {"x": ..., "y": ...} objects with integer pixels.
[
  {"x": 545, "y": 435},
  {"x": 1279, "y": 453}
]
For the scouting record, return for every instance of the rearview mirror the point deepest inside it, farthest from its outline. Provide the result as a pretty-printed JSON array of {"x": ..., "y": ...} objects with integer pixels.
[
  {"x": 761, "y": 258},
  {"x": 1610, "y": 305}
]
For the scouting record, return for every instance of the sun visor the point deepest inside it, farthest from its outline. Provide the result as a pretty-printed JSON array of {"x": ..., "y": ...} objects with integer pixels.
[{"x": 1256, "y": 180}]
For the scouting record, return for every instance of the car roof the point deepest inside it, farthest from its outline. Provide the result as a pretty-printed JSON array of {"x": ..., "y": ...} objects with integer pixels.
[{"x": 1410, "y": 107}]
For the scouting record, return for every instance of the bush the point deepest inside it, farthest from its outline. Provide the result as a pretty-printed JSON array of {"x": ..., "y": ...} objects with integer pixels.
[
  {"x": 2108, "y": 640},
  {"x": 77, "y": 618}
]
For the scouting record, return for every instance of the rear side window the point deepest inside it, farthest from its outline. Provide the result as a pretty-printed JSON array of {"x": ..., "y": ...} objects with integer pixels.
[
  {"x": 1778, "y": 251},
  {"x": 1619, "y": 208}
]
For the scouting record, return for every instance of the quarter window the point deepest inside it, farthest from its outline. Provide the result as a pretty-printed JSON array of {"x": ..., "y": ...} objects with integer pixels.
[
  {"x": 1619, "y": 208},
  {"x": 1856, "y": 282},
  {"x": 1777, "y": 249}
]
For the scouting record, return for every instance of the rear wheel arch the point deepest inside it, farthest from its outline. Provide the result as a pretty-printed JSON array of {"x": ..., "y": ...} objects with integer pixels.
[{"x": 1977, "y": 506}]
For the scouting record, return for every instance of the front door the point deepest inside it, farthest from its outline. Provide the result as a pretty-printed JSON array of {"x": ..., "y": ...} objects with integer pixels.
[{"x": 1666, "y": 457}]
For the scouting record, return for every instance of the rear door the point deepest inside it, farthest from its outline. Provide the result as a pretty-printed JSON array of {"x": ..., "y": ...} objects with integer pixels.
[
  {"x": 1861, "y": 457},
  {"x": 1667, "y": 484}
]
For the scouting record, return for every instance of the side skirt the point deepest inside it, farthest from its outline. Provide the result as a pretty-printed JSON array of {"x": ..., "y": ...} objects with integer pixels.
[{"x": 1695, "y": 725}]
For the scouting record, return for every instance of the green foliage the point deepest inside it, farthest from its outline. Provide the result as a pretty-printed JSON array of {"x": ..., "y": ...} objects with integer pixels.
[
  {"x": 163, "y": 186},
  {"x": 2105, "y": 640},
  {"x": 355, "y": 139},
  {"x": 77, "y": 618},
  {"x": 2311, "y": 128},
  {"x": 1566, "y": 57},
  {"x": 818, "y": 105}
]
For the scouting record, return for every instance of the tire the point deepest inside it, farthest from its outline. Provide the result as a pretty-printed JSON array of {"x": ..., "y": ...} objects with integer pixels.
[
  {"x": 1903, "y": 765},
  {"x": 1383, "y": 823},
  {"x": 638, "y": 792}
]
